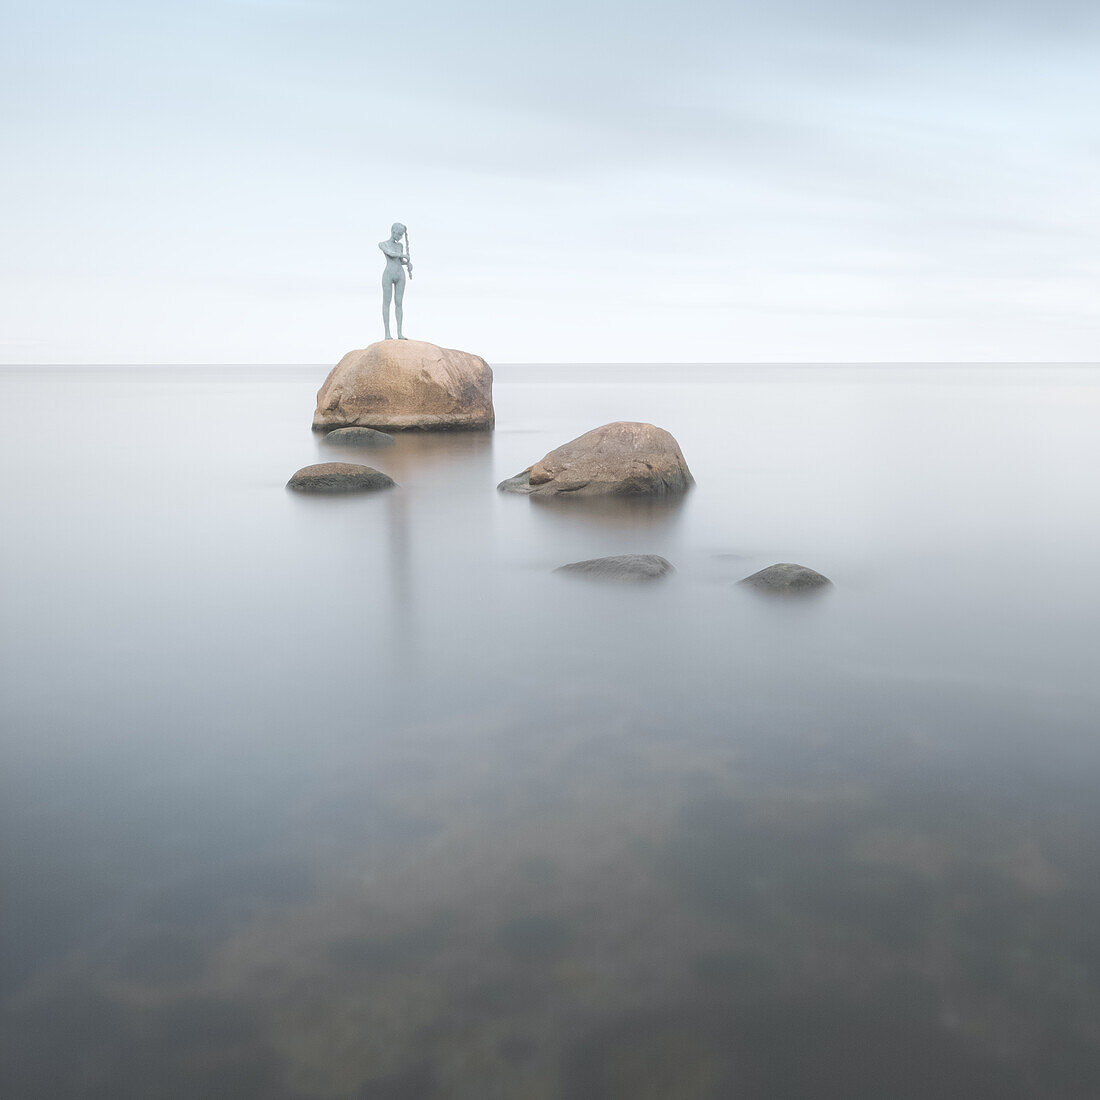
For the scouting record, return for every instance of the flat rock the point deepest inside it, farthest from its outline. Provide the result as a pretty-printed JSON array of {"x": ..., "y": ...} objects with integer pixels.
[
  {"x": 401, "y": 385},
  {"x": 787, "y": 579},
  {"x": 339, "y": 477},
  {"x": 358, "y": 437},
  {"x": 621, "y": 567},
  {"x": 624, "y": 458}
]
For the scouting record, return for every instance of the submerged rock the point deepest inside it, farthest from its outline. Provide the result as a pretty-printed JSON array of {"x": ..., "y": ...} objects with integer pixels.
[
  {"x": 521, "y": 483},
  {"x": 787, "y": 579},
  {"x": 339, "y": 477},
  {"x": 407, "y": 384},
  {"x": 358, "y": 437},
  {"x": 621, "y": 567},
  {"x": 624, "y": 458}
]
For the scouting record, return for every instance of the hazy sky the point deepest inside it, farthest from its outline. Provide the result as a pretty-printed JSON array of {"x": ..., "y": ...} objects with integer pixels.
[{"x": 712, "y": 181}]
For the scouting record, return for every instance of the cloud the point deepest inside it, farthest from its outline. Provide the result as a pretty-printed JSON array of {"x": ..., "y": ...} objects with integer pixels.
[{"x": 796, "y": 159}]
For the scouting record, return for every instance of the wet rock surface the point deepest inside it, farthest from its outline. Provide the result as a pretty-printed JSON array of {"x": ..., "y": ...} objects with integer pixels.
[
  {"x": 624, "y": 458},
  {"x": 621, "y": 567},
  {"x": 339, "y": 477}
]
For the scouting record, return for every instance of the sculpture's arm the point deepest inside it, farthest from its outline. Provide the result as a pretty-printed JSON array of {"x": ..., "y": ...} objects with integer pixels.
[{"x": 394, "y": 251}]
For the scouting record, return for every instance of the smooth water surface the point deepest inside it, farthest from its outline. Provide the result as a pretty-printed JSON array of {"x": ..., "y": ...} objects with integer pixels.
[{"x": 355, "y": 797}]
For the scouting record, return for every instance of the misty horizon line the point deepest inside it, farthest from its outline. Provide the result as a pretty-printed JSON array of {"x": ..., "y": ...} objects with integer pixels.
[{"x": 606, "y": 363}]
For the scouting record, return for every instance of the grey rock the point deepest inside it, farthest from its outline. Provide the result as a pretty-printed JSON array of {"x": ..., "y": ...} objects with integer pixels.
[
  {"x": 339, "y": 477},
  {"x": 786, "y": 579},
  {"x": 519, "y": 484},
  {"x": 359, "y": 437},
  {"x": 624, "y": 458},
  {"x": 621, "y": 567}
]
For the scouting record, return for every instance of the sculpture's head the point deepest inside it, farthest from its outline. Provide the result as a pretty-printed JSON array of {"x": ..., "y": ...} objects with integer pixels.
[{"x": 397, "y": 231}]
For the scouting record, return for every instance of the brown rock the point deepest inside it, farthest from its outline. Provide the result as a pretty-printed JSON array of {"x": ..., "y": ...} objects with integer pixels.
[
  {"x": 339, "y": 477},
  {"x": 619, "y": 459},
  {"x": 407, "y": 384}
]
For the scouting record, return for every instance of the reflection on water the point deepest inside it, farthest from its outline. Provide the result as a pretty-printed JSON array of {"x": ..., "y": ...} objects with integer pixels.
[
  {"x": 355, "y": 798},
  {"x": 620, "y": 517}
]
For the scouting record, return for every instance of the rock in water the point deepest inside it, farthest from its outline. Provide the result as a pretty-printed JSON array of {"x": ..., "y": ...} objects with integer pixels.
[
  {"x": 621, "y": 567},
  {"x": 619, "y": 459},
  {"x": 786, "y": 579},
  {"x": 358, "y": 437},
  {"x": 339, "y": 477},
  {"x": 407, "y": 384}
]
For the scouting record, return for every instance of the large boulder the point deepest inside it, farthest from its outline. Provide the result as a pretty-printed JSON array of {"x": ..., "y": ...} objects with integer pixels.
[
  {"x": 787, "y": 579},
  {"x": 621, "y": 567},
  {"x": 407, "y": 384},
  {"x": 620, "y": 459},
  {"x": 339, "y": 477}
]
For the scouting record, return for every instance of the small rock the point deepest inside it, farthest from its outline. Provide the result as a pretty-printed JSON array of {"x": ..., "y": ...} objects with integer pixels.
[
  {"x": 786, "y": 579},
  {"x": 339, "y": 477},
  {"x": 358, "y": 437},
  {"x": 624, "y": 458},
  {"x": 521, "y": 483},
  {"x": 621, "y": 567}
]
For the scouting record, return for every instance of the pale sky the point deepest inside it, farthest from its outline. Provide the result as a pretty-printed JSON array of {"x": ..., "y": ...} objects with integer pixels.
[{"x": 786, "y": 180}]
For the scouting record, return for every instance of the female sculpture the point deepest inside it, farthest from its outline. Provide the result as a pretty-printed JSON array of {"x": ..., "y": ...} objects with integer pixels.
[{"x": 393, "y": 278}]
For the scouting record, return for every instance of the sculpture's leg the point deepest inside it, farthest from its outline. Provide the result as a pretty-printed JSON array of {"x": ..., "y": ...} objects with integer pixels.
[
  {"x": 387, "y": 294},
  {"x": 399, "y": 297}
]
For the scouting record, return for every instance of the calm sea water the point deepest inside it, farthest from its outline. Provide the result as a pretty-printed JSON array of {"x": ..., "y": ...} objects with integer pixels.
[{"x": 334, "y": 798}]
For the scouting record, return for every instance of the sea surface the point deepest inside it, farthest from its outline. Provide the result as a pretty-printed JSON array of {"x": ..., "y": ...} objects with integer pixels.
[{"x": 355, "y": 797}]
